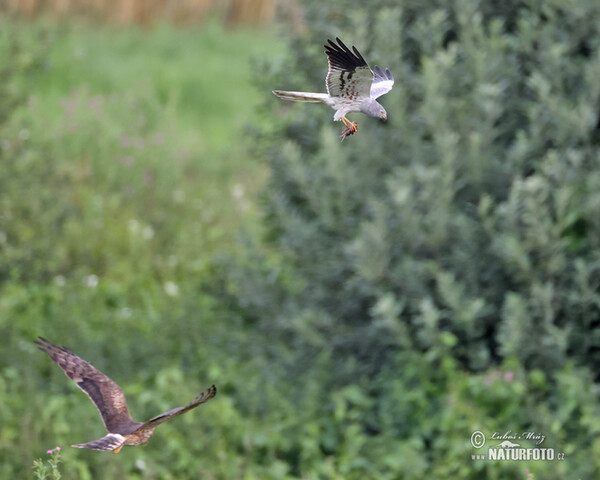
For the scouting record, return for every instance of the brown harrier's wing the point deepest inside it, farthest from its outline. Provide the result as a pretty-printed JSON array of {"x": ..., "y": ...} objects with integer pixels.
[
  {"x": 106, "y": 394},
  {"x": 199, "y": 400}
]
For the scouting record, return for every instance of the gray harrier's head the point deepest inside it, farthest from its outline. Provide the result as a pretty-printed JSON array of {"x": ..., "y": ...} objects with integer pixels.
[{"x": 373, "y": 108}]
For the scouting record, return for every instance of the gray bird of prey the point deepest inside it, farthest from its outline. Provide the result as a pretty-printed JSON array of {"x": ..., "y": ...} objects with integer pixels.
[{"x": 351, "y": 86}]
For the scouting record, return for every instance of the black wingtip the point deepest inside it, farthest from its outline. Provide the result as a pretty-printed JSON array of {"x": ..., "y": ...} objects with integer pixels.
[
  {"x": 338, "y": 46},
  {"x": 342, "y": 57}
]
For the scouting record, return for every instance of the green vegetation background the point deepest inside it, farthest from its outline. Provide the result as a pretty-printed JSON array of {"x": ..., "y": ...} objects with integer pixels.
[{"x": 362, "y": 307}]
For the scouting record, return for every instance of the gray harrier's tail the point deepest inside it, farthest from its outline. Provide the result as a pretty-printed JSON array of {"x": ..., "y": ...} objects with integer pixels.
[{"x": 302, "y": 96}]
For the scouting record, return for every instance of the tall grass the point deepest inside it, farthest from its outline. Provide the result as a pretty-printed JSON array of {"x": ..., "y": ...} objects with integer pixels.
[
  {"x": 196, "y": 93},
  {"x": 146, "y": 11},
  {"x": 121, "y": 175}
]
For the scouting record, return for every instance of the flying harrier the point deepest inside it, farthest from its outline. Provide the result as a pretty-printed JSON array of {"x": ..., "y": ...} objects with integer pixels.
[
  {"x": 351, "y": 86},
  {"x": 110, "y": 401}
]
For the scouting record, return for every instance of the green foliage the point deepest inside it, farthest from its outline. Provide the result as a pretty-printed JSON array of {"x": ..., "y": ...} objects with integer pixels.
[
  {"x": 49, "y": 469},
  {"x": 20, "y": 56},
  {"x": 471, "y": 211},
  {"x": 112, "y": 201},
  {"x": 427, "y": 278},
  {"x": 459, "y": 237}
]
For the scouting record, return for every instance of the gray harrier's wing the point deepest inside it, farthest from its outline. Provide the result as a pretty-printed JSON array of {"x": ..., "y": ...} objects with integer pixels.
[
  {"x": 349, "y": 74},
  {"x": 382, "y": 82}
]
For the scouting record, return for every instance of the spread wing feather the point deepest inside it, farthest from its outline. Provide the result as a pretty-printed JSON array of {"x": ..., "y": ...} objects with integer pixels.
[
  {"x": 103, "y": 392},
  {"x": 382, "y": 82},
  {"x": 199, "y": 400},
  {"x": 348, "y": 74}
]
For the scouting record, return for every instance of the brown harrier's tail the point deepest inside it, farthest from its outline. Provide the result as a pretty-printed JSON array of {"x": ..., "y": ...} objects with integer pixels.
[
  {"x": 112, "y": 441},
  {"x": 302, "y": 96}
]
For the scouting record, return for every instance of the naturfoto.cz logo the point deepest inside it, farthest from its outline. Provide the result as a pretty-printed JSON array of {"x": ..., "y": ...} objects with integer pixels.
[{"x": 508, "y": 447}]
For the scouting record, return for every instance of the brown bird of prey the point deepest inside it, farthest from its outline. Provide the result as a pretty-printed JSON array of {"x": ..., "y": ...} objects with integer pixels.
[
  {"x": 110, "y": 401},
  {"x": 351, "y": 86}
]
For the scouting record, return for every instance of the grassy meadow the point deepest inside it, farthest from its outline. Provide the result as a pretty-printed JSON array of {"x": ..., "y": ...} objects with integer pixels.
[
  {"x": 199, "y": 83},
  {"x": 124, "y": 169}
]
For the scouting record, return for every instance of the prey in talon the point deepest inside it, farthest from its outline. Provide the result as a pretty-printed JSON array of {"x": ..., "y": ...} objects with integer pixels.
[{"x": 351, "y": 129}]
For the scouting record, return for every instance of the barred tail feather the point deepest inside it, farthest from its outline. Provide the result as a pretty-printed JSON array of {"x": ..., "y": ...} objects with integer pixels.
[
  {"x": 112, "y": 441},
  {"x": 302, "y": 96}
]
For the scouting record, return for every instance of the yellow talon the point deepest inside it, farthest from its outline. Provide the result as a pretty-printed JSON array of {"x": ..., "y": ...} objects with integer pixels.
[{"x": 117, "y": 450}]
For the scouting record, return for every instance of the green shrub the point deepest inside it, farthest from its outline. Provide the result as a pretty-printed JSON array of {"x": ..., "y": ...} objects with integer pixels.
[
  {"x": 469, "y": 213},
  {"x": 459, "y": 237}
]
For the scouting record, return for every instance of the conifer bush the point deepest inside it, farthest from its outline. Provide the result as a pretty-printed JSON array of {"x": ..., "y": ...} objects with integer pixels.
[
  {"x": 469, "y": 219},
  {"x": 460, "y": 237}
]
